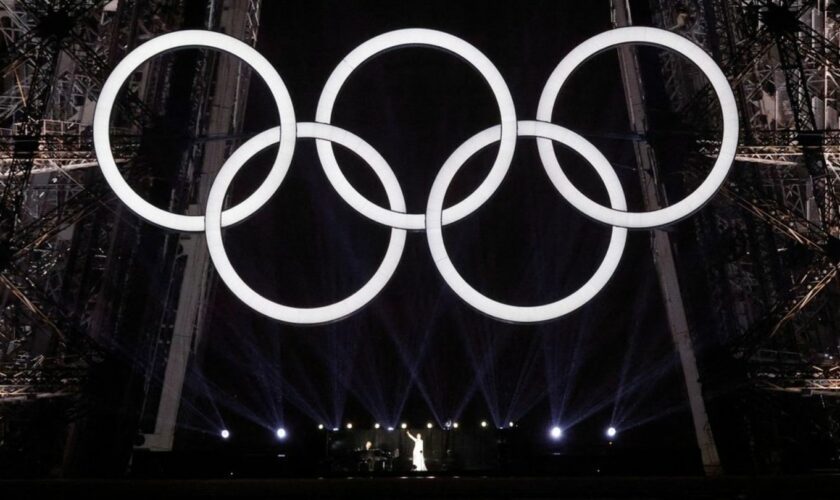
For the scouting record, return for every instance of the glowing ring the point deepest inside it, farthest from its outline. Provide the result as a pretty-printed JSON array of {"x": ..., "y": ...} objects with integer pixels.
[
  {"x": 185, "y": 39},
  {"x": 426, "y": 38},
  {"x": 296, "y": 315},
  {"x": 435, "y": 216},
  {"x": 499, "y": 310},
  {"x": 729, "y": 110}
]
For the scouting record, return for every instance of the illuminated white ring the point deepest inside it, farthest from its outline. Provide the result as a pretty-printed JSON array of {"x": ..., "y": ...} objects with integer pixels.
[
  {"x": 246, "y": 294},
  {"x": 424, "y": 38},
  {"x": 178, "y": 40},
  {"x": 729, "y": 110},
  {"x": 499, "y": 310}
]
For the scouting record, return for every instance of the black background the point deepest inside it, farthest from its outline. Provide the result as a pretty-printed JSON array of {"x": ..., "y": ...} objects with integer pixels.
[{"x": 418, "y": 353}]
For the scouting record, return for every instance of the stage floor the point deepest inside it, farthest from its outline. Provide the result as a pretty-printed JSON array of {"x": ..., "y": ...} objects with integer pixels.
[{"x": 431, "y": 487}]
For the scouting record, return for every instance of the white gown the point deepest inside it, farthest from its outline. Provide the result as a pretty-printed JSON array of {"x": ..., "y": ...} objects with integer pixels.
[{"x": 417, "y": 456}]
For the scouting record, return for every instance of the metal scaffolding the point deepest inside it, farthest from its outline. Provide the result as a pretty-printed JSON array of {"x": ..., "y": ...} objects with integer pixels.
[
  {"x": 67, "y": 249},
  {"x": 769, "y": 243},
  {"x": 55, "y": 57}
]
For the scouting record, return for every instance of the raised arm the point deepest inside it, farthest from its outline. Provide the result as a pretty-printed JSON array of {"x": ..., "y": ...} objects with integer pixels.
[{"x": 412, "y": 437}]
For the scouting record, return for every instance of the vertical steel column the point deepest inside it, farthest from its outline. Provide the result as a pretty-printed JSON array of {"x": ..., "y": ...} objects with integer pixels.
[
  {"x": 660, "y": 244},
  {"x": 239, "y": 18}
]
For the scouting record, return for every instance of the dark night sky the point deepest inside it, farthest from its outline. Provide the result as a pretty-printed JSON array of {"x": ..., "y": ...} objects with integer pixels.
[{"x": 417, "y": 347}]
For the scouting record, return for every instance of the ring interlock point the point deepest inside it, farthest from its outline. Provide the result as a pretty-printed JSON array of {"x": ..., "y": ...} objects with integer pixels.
[{"x": 436, "y": 216}]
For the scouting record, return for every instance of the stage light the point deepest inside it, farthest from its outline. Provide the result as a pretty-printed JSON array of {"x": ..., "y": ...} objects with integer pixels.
[
  {"x": 403, "y": 425},
  {"x": 320, "y": 427},
  {"x": 225, "y": 433},
  {"x": 483, "y": 423},
  {"x": 349, "y": 425},
  {"x": 335, "y": 429},
  {"x": 376, "y": 425},
  {"x": 390, "y": 429},
  {"x": 429, "y": 425},
  {"x": 556, "y": 432},
  {"x": 455, "y": 425},
  {"x": 281, "y": 433},
  {"x": 611, "y": 432},
  {"x": 510, "y": 424}
]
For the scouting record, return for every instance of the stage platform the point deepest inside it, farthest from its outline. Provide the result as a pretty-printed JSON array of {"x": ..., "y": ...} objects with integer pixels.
[{"x": 431, "y": 487}]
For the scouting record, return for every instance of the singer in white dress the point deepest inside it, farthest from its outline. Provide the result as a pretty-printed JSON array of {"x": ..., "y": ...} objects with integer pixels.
[{"x": 417, "y": 457}]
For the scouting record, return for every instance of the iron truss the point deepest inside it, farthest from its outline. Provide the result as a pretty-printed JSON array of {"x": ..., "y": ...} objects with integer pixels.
[
  {"x": 55, "y": 219},
  {"x": 773, "y": 237},
  {"x": 67, "y": 248}
]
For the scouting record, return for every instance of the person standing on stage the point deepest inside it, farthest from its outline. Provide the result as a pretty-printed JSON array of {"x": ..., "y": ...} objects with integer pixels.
[
  {"x": 417, "y": 457},
  {"x": 368, "y": 456}
]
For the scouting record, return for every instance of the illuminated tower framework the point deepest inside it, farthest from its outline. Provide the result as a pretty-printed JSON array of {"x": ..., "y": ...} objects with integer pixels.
[
  {"x": 768, "y": 245},
  {"x": 71, "y": 289},
  {"x": 62, "y": 239}
]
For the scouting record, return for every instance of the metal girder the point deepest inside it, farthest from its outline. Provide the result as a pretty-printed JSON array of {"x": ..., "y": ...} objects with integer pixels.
[
  {"x": 793, "y": 43},
  {"x": 54, "y": 255},
  {"x": 43, "y": 50},
  {"x": 772, "y": 240},
  {"x": 786, "y": 177}
]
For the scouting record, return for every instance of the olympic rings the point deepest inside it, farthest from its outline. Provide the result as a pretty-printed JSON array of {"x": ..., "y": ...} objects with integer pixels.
[{"x": 436, "y": 216}]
